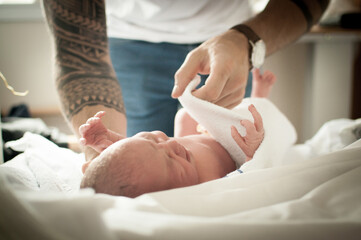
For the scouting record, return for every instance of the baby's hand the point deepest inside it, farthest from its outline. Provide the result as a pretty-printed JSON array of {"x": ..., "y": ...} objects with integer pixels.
[
  {"x": 254, "y": 136},
  {"x": 94, "y": 133}
]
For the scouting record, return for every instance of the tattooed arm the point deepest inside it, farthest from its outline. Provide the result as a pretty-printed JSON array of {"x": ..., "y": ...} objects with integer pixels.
[{"x": 85, "y": 78}]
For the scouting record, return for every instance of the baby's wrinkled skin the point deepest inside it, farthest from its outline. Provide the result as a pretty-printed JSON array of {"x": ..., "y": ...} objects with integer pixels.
[
  {"x": 152, "y": 161},
  {"x": 161, "y": 162}
]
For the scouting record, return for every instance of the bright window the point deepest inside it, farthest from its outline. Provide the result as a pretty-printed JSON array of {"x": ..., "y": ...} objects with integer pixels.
[{"x": 11, "y": 2}]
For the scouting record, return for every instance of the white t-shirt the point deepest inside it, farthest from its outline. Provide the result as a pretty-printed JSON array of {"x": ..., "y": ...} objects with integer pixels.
[{"x": 175, "y": 21}]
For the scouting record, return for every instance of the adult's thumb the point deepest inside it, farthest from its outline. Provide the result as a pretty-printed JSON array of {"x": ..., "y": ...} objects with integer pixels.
[{"x": 185, "y": 74}]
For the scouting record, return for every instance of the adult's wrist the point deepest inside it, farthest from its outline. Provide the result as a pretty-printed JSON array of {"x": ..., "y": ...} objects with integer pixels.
[
  {"x": 242, "y": 43},
  {"x": 256, "y": 46}
]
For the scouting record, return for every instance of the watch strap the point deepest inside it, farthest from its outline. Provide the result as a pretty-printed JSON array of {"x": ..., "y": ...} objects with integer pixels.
[
  {"x": 247, "y": 31},
  {"x": 251, "y": 36}
]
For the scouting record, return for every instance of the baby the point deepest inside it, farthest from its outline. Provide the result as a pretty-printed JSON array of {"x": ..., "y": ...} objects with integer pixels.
[{"x": 151, "y": 161}]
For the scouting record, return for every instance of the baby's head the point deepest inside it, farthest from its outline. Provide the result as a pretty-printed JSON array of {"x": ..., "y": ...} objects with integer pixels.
[{"x": 146, "y": 162}]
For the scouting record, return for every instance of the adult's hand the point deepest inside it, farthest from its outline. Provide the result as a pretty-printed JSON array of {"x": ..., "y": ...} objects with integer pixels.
[{"x": 226, "y": 59}]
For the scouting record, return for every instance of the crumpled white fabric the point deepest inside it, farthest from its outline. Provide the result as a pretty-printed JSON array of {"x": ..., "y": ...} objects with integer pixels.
[
  {"x": 315, "y": 198},
  {"x": 279, "y": 136},
  {"x": 334, "y": 135},
  {"x": 43, "y": 165},
  {"x": 312, "y": 199}
]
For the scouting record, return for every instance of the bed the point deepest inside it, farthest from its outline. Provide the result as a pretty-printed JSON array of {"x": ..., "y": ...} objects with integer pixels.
[{"x": 314, "y": 193}]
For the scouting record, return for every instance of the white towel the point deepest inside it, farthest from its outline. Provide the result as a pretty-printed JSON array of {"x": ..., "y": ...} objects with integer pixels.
[{"x": 279, "y": 132}]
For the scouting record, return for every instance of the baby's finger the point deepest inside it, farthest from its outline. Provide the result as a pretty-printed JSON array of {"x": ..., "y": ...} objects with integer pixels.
[
  {"x": 269, "y": 76},
  {"x": 82, "y": 141},
  {"x": 83, "y": 128},
  {"x": 93, "y": 120},
  {"x": 100, "y": 114},
  {"x": 90, "y": 120},
  {"x": 250, "y": 128},
  {"x": 258, "y": 122},
  {"x": 237, "y": 137}
]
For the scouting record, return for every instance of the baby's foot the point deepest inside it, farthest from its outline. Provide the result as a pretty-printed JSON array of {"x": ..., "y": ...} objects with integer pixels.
[
  {"x": 262, "y": 84},
  {"x": 94, "y": 133}
]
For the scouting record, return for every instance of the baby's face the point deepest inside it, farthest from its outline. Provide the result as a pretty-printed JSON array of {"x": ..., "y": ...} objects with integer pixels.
[
  {"x": 166, "y": 163},
  {"x": 161, "y": 162}
]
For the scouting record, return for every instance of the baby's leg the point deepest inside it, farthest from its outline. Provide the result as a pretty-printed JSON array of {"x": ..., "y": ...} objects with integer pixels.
[
  {"x": 184, "y": 124},
  {"x": 262, "y": 84}
]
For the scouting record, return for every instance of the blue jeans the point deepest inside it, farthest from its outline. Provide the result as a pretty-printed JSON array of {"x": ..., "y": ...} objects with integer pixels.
[{"x": 145, "y": 72}]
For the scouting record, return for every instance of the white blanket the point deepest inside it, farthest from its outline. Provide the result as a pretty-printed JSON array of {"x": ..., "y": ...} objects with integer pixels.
[
  {"x": 43, "y": 166},
  {"x": 306, "y": 198},
  {"x": 279, "y": 136}
]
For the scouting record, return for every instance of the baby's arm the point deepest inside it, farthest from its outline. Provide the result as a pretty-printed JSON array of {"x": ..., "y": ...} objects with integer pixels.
[
  {"x": 96, "y": 135},
  {"x": 184, "y": 124},
  {"x": 255, "y": 133}
]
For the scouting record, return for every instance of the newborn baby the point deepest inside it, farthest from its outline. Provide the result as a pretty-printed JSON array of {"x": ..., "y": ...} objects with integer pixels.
[{"x": 151, "y": 161}]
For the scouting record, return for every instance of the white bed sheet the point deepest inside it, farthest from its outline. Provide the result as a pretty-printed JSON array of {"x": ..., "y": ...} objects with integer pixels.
[{"x": 313, "y": 195}]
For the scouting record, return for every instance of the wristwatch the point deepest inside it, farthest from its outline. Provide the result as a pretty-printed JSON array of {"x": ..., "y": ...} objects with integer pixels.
[{"x": 257, "y": 48}]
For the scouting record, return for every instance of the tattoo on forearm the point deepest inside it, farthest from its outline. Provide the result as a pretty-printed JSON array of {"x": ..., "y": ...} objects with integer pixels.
[
  {"x": 88, "y": 91},
  {"x": 86, "y": 76}
]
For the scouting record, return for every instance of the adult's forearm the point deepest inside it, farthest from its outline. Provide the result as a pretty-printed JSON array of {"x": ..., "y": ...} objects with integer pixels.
[
  {"x": 282, "y": 21},
  {"x": 85, "y": 78}
]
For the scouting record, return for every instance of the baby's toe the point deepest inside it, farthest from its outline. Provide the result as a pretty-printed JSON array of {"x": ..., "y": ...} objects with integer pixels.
[{"x": 269, "y": 77}]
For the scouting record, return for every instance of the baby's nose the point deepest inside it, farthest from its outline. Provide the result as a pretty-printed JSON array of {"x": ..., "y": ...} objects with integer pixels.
[{"x": 173, "y": 146}]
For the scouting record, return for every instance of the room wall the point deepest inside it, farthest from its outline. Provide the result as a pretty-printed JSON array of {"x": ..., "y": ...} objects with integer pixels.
[
  {"x": 330, "y": 92},
  {"x": 26, "y": 62},
  {"x": 307, "y": 72},
  {"x": 290, "y": 67}
]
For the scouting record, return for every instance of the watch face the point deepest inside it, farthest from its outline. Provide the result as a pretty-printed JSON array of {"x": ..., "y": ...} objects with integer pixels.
[{"x": 258, "y": 54}]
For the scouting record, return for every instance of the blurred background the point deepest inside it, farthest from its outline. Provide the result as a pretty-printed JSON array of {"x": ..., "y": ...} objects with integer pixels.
[{"x": 318, "y": 77}]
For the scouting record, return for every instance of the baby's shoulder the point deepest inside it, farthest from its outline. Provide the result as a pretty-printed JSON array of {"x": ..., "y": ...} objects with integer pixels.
[{"x": 201, "y": 138}]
